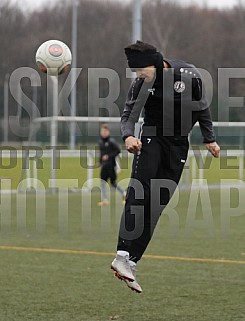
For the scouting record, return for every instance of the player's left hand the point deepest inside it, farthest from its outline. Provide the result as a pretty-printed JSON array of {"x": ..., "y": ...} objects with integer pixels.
[{"x": 214, "y": 149}]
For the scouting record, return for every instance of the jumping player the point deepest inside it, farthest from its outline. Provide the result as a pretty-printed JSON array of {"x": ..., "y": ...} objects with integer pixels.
[{"x": 172, "y": 94}]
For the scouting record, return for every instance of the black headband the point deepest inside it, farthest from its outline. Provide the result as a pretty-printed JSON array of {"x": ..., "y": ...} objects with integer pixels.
[{"x": 138, "y": 59}]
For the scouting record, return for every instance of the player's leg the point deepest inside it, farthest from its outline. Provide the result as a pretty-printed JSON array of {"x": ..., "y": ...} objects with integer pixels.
[
  {"x": 136, "y": 218},
  {"x": 173, "y": 156},
  {"x": 103, "y": 180},
  {"x": 113, "y": 179},
  {"x": 137, "y": 208},
  {"x": 178, "y": 153}
]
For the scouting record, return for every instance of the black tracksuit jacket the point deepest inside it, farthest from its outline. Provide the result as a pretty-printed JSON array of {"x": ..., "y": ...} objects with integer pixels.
[
  {"x": 108, "y": 146},
  {"x": 167, "y": 107}
]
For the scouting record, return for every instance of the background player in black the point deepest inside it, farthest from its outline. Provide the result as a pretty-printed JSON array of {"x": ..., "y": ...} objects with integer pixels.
[
  {"x": 109, "y": 150},
  {"x": 173, "y": 97}
]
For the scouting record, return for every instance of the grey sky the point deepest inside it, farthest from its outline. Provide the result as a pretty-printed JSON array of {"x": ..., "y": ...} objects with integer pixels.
[{"x": 211, "y": 3}]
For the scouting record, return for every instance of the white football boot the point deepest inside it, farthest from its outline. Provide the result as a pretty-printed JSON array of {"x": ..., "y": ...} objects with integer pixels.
[
  {"x": 134, "y": 285},
  {"x": 121, "y": 266}
]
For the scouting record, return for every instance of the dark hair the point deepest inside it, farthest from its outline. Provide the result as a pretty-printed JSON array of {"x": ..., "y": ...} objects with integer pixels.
[
  {"x": 141, "y": 46},
  {"x": 104, "y": 126}
]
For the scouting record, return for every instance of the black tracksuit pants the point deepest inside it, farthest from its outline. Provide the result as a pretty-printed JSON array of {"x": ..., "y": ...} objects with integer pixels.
[{"x": 155, "y": 174}]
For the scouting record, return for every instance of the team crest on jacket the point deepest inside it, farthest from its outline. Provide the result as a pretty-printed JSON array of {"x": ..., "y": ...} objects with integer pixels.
[{"x": 179, "y": 86}]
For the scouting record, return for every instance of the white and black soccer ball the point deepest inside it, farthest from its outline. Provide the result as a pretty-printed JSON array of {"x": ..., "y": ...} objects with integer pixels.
[{"x": 54, "y": 57}]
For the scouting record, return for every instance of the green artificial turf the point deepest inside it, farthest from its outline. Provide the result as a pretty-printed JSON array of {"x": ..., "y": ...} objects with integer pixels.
[{"x": 41, "y": 286}]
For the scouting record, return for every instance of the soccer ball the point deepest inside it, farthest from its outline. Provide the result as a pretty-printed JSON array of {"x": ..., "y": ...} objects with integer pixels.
[{"x": 54, "y": 57}]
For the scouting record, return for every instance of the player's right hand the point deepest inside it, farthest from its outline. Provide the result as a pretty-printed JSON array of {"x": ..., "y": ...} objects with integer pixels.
[{"x": 133, "y": 144}]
